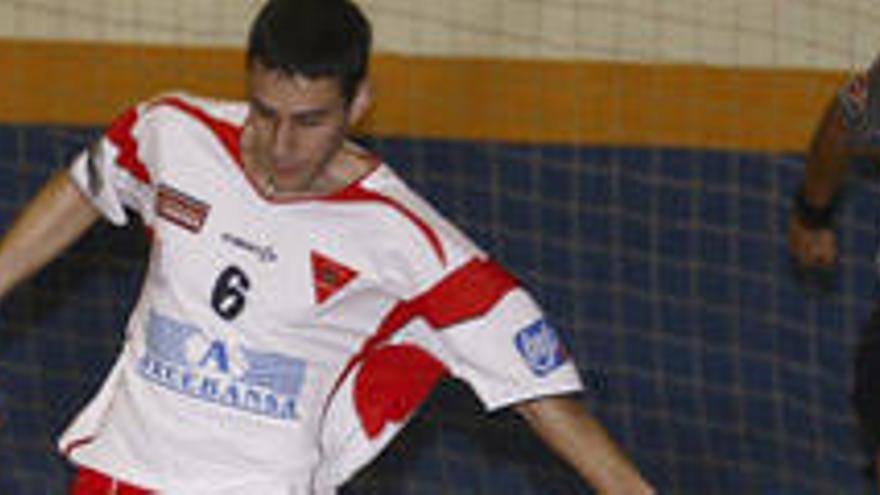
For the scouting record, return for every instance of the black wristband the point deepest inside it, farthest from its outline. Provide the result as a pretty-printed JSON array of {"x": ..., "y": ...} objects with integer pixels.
[{"x": 813, "y": 217}]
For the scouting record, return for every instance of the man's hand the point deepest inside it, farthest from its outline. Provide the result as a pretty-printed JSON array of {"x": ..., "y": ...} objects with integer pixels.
[{"x": 811, "y": 248}]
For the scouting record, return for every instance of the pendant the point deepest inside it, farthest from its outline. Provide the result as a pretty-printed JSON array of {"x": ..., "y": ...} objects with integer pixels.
[{"x": 270, "y": 186}]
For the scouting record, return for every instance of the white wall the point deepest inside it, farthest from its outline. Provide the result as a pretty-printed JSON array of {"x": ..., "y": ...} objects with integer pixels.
[
  {"x": 773, "y": 33},
  {"x": 176, "y": 22}
]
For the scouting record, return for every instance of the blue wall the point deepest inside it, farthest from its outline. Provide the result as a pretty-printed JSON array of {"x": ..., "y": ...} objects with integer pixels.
[{"x": 666, "y": 270}]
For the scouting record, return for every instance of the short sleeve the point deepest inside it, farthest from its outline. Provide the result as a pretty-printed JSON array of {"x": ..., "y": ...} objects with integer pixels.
[
  {"x": 491, "y": 333},
  {"x": 470, "y": 314},
  {"x": 113, "y": 172},
  {"x": 510, "y": 354}
]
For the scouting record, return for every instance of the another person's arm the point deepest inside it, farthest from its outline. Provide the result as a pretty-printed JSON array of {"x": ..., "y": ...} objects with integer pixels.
[
  {"x": 575, "y": 435},
  {"x": 51, "y": 222},
  {"x": 811, "y": 237},
  {"x": 849, "y": 127}
]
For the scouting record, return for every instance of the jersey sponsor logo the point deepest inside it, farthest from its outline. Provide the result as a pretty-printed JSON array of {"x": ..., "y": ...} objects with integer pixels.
[
  {"x": 541, "y": 348},
  {"x": 181, "y": 358},
  {"x": 265, "y": 254},
  {"x": 330, "y": 276},
  {"x": 181, "y": 209}
]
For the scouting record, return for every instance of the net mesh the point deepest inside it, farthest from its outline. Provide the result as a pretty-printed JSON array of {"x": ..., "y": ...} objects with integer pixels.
[{"x": 664, "y": 267}]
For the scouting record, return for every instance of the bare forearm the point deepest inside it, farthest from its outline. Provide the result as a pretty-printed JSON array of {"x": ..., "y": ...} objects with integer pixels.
[
  {"x": 828, "y": 158},
  {"x": 56, "y": 217},
  {"x": 567, "y": 428}
]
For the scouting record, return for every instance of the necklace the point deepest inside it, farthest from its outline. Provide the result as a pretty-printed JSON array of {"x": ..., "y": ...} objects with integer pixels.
[{"x": 271, "y": 187}]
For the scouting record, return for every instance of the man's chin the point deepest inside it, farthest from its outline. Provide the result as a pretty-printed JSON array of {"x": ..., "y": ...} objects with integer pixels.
[
  {"x": 288, "y": 174},
  {"x": 291, "y": 182}
]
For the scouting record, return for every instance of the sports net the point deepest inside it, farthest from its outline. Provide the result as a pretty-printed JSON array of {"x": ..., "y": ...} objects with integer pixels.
[{"x": 660, "y": 255}]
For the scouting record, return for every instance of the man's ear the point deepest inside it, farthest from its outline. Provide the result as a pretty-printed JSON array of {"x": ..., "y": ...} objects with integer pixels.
[{"x": 360, "y": 104}]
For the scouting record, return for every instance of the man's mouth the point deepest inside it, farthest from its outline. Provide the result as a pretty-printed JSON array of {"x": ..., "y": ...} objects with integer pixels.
[{"x": 286, "y": 166}]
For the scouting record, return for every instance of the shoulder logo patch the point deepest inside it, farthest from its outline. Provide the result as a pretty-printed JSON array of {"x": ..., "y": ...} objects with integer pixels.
[
  {"x": 330, "y": 276},
  {"x": 541, "y": 348},
  {"x": 181, "y": 209}
]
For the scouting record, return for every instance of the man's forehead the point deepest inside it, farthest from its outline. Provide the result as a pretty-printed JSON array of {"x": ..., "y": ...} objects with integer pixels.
[
  {"x": 301, "y": 82},
  {"x": 298, "y": 82}
]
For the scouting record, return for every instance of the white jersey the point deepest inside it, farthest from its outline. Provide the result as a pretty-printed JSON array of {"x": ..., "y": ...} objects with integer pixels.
[{"x": 277, "y": 346}]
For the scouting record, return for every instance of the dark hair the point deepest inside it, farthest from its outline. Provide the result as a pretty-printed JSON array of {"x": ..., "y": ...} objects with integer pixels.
[{"x": 313, "y": 38}]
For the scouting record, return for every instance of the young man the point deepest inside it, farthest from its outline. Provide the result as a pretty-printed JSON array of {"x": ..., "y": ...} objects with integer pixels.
[
  {"x": 850, "y": 128},
  {"x": 301, "y": 301}
]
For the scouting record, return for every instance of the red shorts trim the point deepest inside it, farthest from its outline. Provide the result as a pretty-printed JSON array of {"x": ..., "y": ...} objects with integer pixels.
[{"x": 89, "y": 482}]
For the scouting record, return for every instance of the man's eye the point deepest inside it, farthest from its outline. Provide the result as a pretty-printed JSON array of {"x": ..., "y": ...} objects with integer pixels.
[
  {"x": 310, "y": 121},
  {"x": 261, "y": 111}
]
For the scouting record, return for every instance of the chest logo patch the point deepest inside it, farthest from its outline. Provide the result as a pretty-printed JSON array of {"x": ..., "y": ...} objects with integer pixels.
[
  {"x": 181, "y": 209},
  {"x": 330, "y": 276}
]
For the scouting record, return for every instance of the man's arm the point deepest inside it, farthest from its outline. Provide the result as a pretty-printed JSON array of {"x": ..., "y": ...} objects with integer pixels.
[
  {"x": 51, "y": 222},
  {"x": 827, "y": 161},
  {"x": 849, "y": 127},
  {"x": 814, "y": 245},
  {"x": 567, "y": 428}
]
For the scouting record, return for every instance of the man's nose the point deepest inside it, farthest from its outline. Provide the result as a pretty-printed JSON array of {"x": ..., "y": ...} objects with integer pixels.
[{"x": 284, "y": 139}]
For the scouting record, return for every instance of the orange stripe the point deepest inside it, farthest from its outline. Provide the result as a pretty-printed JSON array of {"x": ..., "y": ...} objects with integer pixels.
[
  {"x": 87, "y": 83},
  {"x": 521, "y": 101},
  {"x": 601, "y": 103}
]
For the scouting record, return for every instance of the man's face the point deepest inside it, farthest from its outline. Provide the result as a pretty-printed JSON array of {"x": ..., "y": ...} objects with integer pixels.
[{"x": 295, "y": 127}]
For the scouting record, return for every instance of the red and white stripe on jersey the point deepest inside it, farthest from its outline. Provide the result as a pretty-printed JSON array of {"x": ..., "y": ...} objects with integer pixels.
[
  {"x": 124, "y": 135},
  {"x": 227, "y": 133},
  {"x": 382, "y": 393},
  {"x": 121, "y": 134},
  {"x": 399, "y": 366},
  {"x": 90, "y": 482},
  {"x": 117, "y": 159},
  {"x": 355, "y": 193}
]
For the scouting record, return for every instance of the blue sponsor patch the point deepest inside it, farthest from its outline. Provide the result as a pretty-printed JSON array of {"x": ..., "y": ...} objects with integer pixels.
[
  {"x": 265, "y": 383},
  {"x": 541, "y": 348}
]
